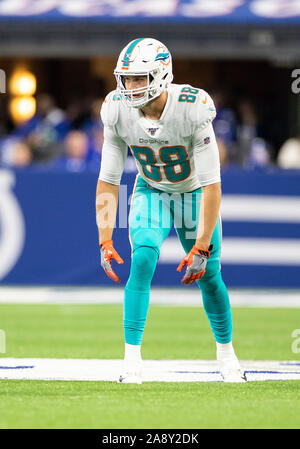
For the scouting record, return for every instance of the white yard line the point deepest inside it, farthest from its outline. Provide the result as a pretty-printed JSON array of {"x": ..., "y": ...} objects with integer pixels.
[
  {"x": 185, "y": 296},
  {"x": 153, "y": 370}
]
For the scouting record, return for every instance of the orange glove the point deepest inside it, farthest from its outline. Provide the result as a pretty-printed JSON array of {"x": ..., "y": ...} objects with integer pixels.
[
  {"x": 108, "y": 253},
  {"x": 196, "y": 261}
]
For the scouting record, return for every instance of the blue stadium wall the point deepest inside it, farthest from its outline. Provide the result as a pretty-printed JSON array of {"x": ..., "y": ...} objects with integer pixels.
[{"x": 48, "y": 233}]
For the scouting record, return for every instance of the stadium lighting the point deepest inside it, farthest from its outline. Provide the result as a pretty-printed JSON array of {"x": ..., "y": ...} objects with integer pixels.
[
  {"x": 22, "y": 87},
  {"x": 22, "y": 83},
  {"x": 22, "y": 108}
]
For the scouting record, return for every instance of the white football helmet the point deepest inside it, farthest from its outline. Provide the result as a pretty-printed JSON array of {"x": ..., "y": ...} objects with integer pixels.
[{"x": 144, "y": 57}]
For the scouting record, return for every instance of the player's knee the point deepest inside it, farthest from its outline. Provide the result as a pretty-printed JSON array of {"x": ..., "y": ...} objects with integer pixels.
[
  {"x": 212, "y": 270},
  {"x": 211, "y": 282},
  {"x": 144, "y": 260},
  {"x": 214, "y": 294},
  {"x": 146, "y": 238}
]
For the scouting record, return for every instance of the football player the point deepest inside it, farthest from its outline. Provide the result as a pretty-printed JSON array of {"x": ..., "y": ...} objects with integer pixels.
[{"x": 168, "y": 129}]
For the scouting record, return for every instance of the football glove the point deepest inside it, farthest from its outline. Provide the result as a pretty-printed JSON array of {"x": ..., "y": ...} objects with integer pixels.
[
  {"x": 196, "y": 261},
  {"x": 107, "y": 254}
]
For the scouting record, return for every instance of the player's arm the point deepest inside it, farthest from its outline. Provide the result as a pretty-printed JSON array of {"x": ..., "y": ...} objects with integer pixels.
[
  {"x": 207, "y": 167},
  {"x": 107, "y": 196},
  {"x": 114, "y": 153},
  {"x": 209, "y": 212}
]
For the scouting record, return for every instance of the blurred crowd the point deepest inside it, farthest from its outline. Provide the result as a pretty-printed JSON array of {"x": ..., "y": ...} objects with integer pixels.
[
  {"x": 71, "y": 139},
  {"x": 241, "y": 140},
  {"x": 56, "y": 139}
]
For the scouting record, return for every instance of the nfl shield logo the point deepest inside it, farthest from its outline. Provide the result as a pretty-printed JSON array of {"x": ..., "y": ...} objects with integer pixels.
[
  {"x": 152, "y": 131},
  {"x": 207, "y": 140}
]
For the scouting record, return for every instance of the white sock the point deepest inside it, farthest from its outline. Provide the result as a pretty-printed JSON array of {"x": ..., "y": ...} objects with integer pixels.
[
  {"x": 225, "y": 350},
  {"x": 132, "y": 354}
]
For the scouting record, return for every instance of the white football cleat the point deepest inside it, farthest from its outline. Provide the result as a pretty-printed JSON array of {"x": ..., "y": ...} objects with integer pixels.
[
  {"x": 131, "y": 375},
  {"x": 231, "y": 370}
]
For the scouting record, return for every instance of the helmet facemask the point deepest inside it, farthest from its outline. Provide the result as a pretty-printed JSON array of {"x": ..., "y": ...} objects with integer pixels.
[{"x": 157, "y": 82}]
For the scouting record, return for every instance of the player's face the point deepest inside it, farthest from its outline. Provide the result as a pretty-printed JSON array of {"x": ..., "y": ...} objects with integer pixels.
[{"x": 135, "y": 82}]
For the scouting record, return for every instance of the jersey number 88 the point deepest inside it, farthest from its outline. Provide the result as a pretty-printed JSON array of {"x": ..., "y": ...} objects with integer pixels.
[
  {"x": 148, "y": 161},
  {"x": 188, "y": 95}
]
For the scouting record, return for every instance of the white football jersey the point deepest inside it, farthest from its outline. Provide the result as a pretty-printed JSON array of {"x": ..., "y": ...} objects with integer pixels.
[{"x": 164, "y": 149}]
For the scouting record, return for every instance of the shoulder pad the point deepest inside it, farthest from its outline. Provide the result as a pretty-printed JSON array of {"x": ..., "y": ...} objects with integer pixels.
[
  {"x": 202, "y": 111},
  {"x": 110, "y": 109}
]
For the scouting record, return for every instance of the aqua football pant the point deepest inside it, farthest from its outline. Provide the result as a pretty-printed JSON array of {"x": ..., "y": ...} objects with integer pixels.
[{"x": 152, "y": 215}]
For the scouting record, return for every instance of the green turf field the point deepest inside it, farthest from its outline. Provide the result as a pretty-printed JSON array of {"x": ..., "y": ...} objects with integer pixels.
[{"x": 95, "y": 331}]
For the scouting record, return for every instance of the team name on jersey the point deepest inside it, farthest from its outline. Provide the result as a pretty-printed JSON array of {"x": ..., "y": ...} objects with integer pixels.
[{"x": 159, "y": 141}]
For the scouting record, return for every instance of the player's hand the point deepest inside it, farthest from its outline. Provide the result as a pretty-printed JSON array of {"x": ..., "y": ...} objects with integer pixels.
[
  {"x": 108, "y": 253},
  {"x": 196, "y": 261}
]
